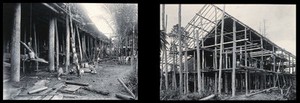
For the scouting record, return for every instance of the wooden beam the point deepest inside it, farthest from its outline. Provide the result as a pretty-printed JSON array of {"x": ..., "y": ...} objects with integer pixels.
[
  {"x": 240, "y": 40},
  {"x": 15, "y": 44}
]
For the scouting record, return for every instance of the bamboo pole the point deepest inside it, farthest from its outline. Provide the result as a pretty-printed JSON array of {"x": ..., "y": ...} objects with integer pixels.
[
  {"x": 221, "y": 51},
  {"x": 180, "y": 50},
  {"x": 15, "y": 44},
  {"x": 234, "y": 61}
]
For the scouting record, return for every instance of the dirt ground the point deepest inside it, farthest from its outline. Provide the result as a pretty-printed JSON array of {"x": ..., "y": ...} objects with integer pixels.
[{"x": 104, "y": 80}]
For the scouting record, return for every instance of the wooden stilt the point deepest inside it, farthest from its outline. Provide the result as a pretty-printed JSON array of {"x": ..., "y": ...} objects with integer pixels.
[
  {"x": 226, "y": 82},
  {"x": 79, "y": 43},
  {"x": 67, "y": 63},
  {"x": 180, "y": 51},
  {"x": 198, "y": 64},
  {"x": 202, "y": 64},
  {"x": 35, "y": 46},
  {"x": 221, "y": 51},
  {"x": 51, "y": 44},
  {"x": 57, "y": 45},
  {"x": 15, "y": 44},
  {"x": 234, "y": 60},
  {"x": 246, "y": 64},
  {"x": 215, "y": 54}
]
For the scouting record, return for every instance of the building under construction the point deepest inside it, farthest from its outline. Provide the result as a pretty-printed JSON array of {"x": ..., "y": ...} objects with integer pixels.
[
  {"x": 215, "y": 53},
  {"x": 53, "y": 34}
]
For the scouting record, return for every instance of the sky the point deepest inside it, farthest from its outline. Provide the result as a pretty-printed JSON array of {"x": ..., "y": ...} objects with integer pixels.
[
  {"x": 101, "y": 17},
  {"x": 280, "y": 20}
]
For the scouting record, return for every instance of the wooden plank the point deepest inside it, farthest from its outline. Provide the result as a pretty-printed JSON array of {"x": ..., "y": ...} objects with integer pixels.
[
  {"x": 48, "y": 97},
  {"x": 57, "y": 87},
  {"x": 72, "y": 88},
  {"x": 57, "y": 97},
  {"x": 45, "y": 91},
  {"x": 77, "y": 83},
  {"x": 208, "y": 97},
  {"x": 37, "y": 90}
]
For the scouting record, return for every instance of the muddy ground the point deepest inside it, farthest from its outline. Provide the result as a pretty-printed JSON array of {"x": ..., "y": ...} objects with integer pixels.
[{"x": 104, "y": 80}]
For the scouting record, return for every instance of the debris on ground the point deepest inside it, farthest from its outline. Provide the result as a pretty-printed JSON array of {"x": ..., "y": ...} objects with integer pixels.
[{"x": 124, "y": 97}]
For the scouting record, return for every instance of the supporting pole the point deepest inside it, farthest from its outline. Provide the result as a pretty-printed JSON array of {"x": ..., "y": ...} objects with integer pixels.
[
  {"x": 274, "y": 66},
  {"x": 35, "y": 47},
  {"x": 226, "y": 82},
  {"x": 180, "y": 50},
  {"x": 15, "y": 44},
  {"x": 234, "y": 60},
  {"x": 51, "y": 44},
  {"x": 246, "y": 64},
  {"x": 67, "y": 45},
  {"x": 198, "y": 63},
  {"x": 215, "y": 53},
  {"x": 185, "y": 70},
  {"x": 57, "y": 45},
  {"x": 221, "y": 51},
  {"x": 79, "y": 43},
  {"x": 194, "y": 64},
  {"x": 202, "y": 64},
  {"x": 165, "y": 49}
]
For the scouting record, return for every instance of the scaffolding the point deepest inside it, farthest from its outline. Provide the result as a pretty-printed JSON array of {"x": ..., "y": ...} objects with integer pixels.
[{"x": 222, "y": 56}]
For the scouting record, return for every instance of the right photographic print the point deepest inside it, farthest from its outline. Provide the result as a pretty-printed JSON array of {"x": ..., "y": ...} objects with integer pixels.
[{"x": 227, "y": 52}]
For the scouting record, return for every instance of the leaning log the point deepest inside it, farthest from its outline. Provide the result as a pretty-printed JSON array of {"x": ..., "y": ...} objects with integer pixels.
[
  {"x": 124, "y": 97},
  {"x": 96, "y": 91},
  {"x": 76, "y": 83},
  {"x": 126, "y": 87},
  {"x": 261, "y": 91},
  {"x": 208, "y": 97}
]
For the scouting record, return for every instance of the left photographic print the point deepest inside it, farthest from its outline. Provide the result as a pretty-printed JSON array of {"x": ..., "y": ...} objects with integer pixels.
[{"x": 70, "y": 51}]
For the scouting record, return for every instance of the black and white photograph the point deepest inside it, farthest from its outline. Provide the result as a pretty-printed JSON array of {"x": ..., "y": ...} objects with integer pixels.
[
  {"x": 227, "y": 52},
  {"x": 70, "y": 51}
]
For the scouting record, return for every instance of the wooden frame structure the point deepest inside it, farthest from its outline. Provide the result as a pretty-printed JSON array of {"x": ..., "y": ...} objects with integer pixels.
[
  {"x": 226, "y": 56},
  {"x": 53, "y": 30}
]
